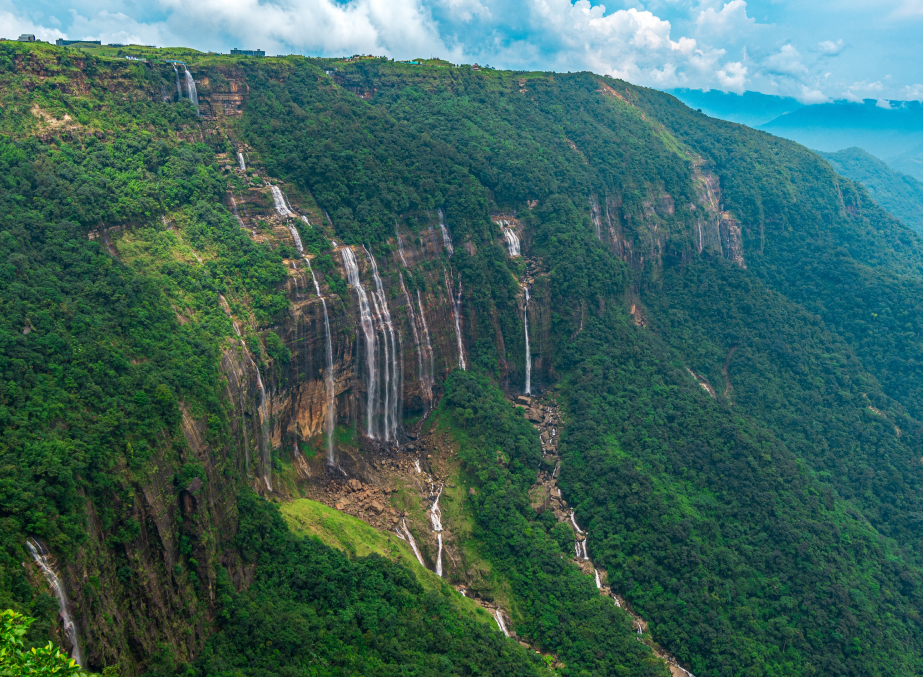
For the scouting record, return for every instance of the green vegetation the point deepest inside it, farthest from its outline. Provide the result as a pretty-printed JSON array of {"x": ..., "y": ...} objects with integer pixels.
[
  {"x": 15, "y": 661},
  {"x": 900, "y": 194},
  {"x": 555, "y": 605},
  {"x": 313, "y": 610}
]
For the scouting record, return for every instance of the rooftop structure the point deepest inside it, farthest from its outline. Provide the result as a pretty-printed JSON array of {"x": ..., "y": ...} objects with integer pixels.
[
  {"x": 247, "y": 52},
  {"x": 26, "y": 37},
  {"x": 63, "y": 43}
]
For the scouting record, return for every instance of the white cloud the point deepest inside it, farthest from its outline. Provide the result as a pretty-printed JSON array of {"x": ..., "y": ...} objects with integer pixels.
[
  {"x": 831, "y": 48},
  {"x": 913, "y": 92},
  {"x": 728, "y": 24},
  {"x": 787, "y": 61},
  {"x": 12, "y": 26},
  {"x": 811, "y": 96},
  {"x": 732, "y": 77}
]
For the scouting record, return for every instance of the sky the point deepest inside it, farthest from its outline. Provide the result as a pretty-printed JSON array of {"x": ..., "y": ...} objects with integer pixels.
[{"x": 816, "y": 51}]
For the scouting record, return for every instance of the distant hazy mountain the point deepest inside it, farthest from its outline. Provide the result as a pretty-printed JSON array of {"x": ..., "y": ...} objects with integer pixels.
[
  {"x": 910, "y": 162},
  {"x": 900, "y": 194},
  {"x": 884, "y": 132},
  {"x": 893, "y": 134},
  {"x": 750, "y": 108}
]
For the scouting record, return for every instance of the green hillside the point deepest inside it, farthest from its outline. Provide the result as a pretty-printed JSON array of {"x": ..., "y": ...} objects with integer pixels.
[
  {"x": 900, "y": 194},
  {"x": 730, "y": 327}
]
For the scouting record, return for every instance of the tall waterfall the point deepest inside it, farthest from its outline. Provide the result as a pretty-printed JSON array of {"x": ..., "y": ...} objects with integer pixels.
[
  {"x": 512, "y": 240},
  {"x": 425, "y": 385},
  {"x": 240, "y": 159},
  {"x": 43, "y": 558},
  {"x": 368, "y": 329},
  {"x": 456, "y": 313},
  {"x": 499, "y": 616},
  {"x": 446, "y": 238},
  {"x": 328, "y": 377},
  {"x": 392, "y": 371},
  {"x": 430, "y": 381},
  {"x": 191, "y": 91},
  {"x": 179, "y": 88},
  {"x": 525, "y": 316},
  {"x": 264, "y": 432},
  {"x": 400, "y": 246},
  {"x": 435, "y": 516},
  {"x": 278, "y": 200},
  {"x": 413, "y": 543}
]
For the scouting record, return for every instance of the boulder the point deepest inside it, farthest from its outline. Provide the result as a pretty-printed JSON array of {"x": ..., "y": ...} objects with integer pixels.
[
  {"x": 354, "y": 485},
  {"x": 376, "y": 507}
]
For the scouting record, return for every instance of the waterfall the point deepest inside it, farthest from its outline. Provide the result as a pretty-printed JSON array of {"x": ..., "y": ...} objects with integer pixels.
[
  {"x": 329, "y": 381},
  {"x": 400, "y": 247},
  {"x": 240, "y": 160},
  {"x": 456, "y": 303},
  {"x": 179, "y": 89},
  {"x": 43, "y": 558},
  {"x": 594, "y": 214},
  {"x": 599, "y": 585},
  {"x": 425, "y": 383},
  {"x": 435, "y": 516},
  {"x": 499, "y": 616},
  {"x": 278, "y": 200},
  {"x": 413, "y": 543},
  {"x": 439, "y": 556},
  {"x": 295, "y": 236},
  {"x": 430, "y": 381},
  {"x": 264, "y": 432},
  {"x": 512, "y": 240},
  {"x": 574, "y": 522},
  {"x": 371, "y": 347},
  {"x": 446, "y": 239},
  {"x": 525, "y": 315},
  {"x": 393, "y": 377},
  {"x": 416, "y": 464},
  {"x": 191, "y": 91}
]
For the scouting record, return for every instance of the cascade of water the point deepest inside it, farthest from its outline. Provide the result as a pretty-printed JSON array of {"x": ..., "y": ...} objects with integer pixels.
[
  {"x": 191, "y": 90},
  {"x": 416, "y": 464},
  {"x": 594, "y": 213},
  {"x": 525, "y": 315},
  {"x": 435, "y": 516},
  {"x": 371, "y": 348},
  {"x": 424, "y": 385},
  {"x": 499, "y": 616},
  {"x": 456, "y": 304},
  {"x": 278, "y": 201},
  {"x": 240, "y": 159},
  {"x": 391, "y": 385},
  {"x": 234, "y": 210},
  {"x": 329, "y": 376},
  {"x": 599, "y": 585},
  {"x": 179, "y": 88},
  {"x": 264, "y": 432},
  {"x": 295, "y": 236},
  {"x": 43, "y": 558},
  {"x": 430, "y": 381},
  {"x": 574, "y": 522},
  {"x": 446, "y": 238},
  {"x": 413, "y": 543},
  {"x": 400, "y": 246}
]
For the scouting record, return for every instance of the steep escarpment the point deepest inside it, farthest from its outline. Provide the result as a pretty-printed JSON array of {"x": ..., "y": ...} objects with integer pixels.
[{"x": 328, "y": 279}]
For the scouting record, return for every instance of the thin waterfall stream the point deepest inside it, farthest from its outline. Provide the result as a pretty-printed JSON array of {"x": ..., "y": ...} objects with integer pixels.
[
  {"x": 43, "y": 558},
  {"x": 191, "y": 90},
  {"x": 446, "y": 238},
  {"x": 425, "y": 387},
  {"x": 392, "y": 376},
  {"x": 329, "y": 380},
  {"x": 240, "y": 159},
  {"x": 368, "y": 330},
  {"x": 525, "y": 316},
  {"x": 429, "y": 348},
  {"x": 456, "y": 303}
]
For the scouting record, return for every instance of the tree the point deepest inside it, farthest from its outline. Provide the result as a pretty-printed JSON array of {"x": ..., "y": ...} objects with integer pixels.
[{"x": 16, "y": 661}]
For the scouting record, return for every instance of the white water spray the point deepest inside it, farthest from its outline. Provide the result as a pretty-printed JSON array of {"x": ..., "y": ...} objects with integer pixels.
[
  {"x": 278, "y": 200},
  {"x": 240, "y": 160},
  {"x": 525, "y": 316},
  {"x": 179, "y": 88},
  {"x": 368, "y": 329},
  {"x": 392, "y": 375},
  {"x": 446, "y": 238},
  {"x": 599, "y": 585},
  {"x": 191, "y": 90},
  {"x": 513, "y": 247},
  {"x": 400, "y": 246},
  {"x": 43, "y": 558},
  {"x": 456, "y": 304},
  {"x": 430, "y": 380},
  {"x": 264, "y": 431},
  {"x": 329, "y": 381},
  {"x": 499, "y": 616},
  {"x": 413, "y": 543}
]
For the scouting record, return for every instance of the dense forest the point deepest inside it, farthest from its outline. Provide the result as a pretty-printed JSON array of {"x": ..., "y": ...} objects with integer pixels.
[{"x": 730, "y": 327}]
